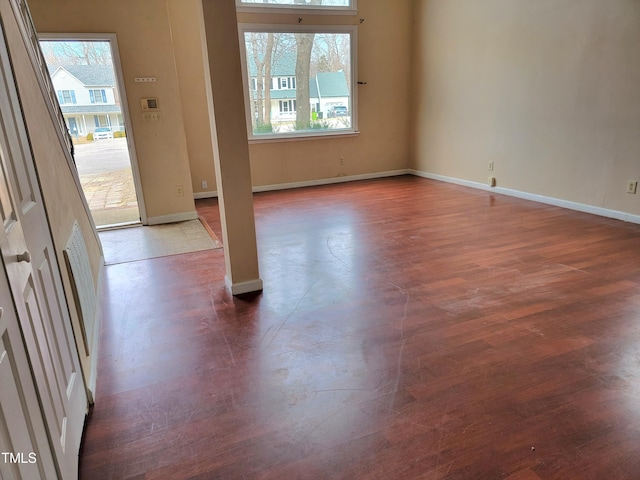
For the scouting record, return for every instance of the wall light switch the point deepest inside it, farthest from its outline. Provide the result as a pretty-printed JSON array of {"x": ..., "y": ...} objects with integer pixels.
[{"x": 152, "y": 116}]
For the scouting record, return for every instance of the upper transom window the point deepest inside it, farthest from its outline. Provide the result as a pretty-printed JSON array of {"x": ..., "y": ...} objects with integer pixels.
[{"x": 319, "y": 6}]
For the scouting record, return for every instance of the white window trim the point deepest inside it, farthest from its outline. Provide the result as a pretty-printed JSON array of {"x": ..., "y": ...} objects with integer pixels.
[
  {"x": 297, "y": 9},
  {"x": 286, "y": 28},
  {"x": 302, "y": 138}
]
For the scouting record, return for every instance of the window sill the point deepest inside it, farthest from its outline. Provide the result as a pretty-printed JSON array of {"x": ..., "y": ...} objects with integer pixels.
[{"x": 302, "y": 137}]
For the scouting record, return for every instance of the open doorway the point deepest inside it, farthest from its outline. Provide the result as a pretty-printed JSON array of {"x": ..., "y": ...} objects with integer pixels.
[{"x": 86, "y": 75}]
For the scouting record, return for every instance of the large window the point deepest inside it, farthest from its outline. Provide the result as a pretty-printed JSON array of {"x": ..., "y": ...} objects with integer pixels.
[{"x": 295, "y": 79}]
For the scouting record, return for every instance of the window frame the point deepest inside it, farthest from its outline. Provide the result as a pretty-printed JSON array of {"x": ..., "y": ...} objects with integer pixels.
[
  {"x": 72, "y": 97},
  {"x": 249, "y": 7},
  {"x": 97, "y": 120},
  {"x": 288, "y": 106},
  {"x": 102, "y": 95},
  {"x": 351, "y": 30}
]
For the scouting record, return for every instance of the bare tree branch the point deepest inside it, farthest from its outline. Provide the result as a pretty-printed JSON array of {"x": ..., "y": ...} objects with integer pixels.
[{"x": 76, "y": 53}]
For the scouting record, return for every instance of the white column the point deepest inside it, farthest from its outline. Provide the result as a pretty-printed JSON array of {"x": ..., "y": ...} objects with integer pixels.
[{"x": 230, "y": 145}]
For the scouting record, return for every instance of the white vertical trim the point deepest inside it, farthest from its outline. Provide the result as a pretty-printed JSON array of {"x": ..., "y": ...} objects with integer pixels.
[{"x": 95, "y": 343}]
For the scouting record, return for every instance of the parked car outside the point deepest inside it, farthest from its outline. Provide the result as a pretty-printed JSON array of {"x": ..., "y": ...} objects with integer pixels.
[
  {"x": 338, "y": 111},
  {"x": 102, "y": 133}
]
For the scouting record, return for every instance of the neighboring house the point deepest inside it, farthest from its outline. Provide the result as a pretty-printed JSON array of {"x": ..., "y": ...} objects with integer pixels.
[
  {"x": 88, "y": 97},
  {"x": 326, "y": 90}
]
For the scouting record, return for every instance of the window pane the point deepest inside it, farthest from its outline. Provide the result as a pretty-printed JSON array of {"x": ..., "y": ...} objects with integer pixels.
[
  {"x": 308, "y": 80},
  {"x": 66, "y": 96},
  {"x": 305, "y": 3}
]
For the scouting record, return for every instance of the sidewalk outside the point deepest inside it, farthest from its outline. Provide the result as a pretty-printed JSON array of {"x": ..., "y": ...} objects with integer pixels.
[
  {"x": 105, "y": 175},
  {"x": 111, "y": 197}
]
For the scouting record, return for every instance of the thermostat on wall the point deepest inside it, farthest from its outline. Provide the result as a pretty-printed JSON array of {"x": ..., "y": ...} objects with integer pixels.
[{"x": 149, "y": 103}]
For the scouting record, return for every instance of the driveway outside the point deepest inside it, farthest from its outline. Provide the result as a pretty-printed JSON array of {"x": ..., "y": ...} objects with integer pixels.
[{"x": 105, "y": 174}]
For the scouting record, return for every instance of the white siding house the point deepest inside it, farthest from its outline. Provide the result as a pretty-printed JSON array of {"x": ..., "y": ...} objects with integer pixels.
[
  {"x": 87, "y": 97},
  {"x": 328, "y": 90}
]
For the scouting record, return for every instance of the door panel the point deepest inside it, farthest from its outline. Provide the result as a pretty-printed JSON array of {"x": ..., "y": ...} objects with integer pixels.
[
  {"x": 36, "y": 285},
  {"x": 52, "y": 397},
  {"x": 22, "y": 430}
]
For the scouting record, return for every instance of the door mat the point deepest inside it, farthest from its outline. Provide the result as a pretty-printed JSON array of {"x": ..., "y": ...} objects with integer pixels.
[{"x": 141, "y": 243}]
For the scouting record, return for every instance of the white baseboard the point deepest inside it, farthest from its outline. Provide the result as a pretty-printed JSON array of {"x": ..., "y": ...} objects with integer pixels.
[
  {"x": 329, "y": 181},
  {"x": 314, "y": 183},
  {"x": 243, "y": 287},
  {"x": 200, "y": 195},
  {"x": 175, "y": 217},
  {"x": 580, "y": 207}
]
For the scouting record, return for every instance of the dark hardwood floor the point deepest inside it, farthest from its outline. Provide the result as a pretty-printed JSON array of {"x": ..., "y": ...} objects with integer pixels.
[{"x": 407, "y": 329}]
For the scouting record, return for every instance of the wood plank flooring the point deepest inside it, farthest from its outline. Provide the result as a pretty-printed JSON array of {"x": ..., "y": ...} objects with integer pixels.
[{"x": 407, "y": 329}]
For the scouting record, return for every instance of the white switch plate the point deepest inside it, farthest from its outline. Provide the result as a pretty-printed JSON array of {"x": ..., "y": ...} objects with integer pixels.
[{"x": 152, "y": 116}]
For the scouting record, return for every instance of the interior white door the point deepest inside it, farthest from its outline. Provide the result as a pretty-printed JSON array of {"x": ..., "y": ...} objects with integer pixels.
[
  {"x": 24, "y": 446},
  {"x": 35, "y": 283}
]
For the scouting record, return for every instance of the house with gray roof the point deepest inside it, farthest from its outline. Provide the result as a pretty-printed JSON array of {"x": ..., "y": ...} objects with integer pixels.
[
  {"x": 88, "y": 97},
  {"x": 328, "y": 90}
]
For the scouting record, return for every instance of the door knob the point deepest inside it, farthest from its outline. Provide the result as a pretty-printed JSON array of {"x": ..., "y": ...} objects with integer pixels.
[{"x": 24, "y": 257}]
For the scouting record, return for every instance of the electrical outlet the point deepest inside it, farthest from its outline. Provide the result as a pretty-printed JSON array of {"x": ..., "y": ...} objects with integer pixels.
[
  {"x": 205, "y": 185},
  {"x": 341, "y": 160},
  {"x": 179, "y": 191},
  {"x": 632, "y": 186},
  {"x": 491, "y": 166}
]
